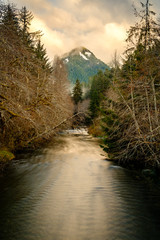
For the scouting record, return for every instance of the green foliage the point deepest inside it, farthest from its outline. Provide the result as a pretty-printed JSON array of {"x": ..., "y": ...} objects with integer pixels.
[
  {"x": 133, "y": 62},
  {"x": 130, "y": 123},
  {"x": 6, "y": 156},
  {"x": 110, "y": 126},
  {"x": 131, "y": 127},
  {"x": 99, "y": 85},
  {"x": 77, "y": 92},
  {"x": 79, "y": 68},
  {"x": 41, "y": 54}
]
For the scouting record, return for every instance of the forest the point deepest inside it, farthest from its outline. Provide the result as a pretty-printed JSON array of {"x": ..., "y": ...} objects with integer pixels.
[
  {"x": 124, "y": 101},
  {"x": 34, "y": 96},
  {"x": 127, "y": 98},
  {"x": 79, "y": 160}
]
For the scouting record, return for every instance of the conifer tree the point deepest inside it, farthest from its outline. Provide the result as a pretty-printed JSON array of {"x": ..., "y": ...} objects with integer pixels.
[
  {"x": 137, "y": 136},
  {"x": 145, "y": 31},
  {"x": 77, "y": 92},
  {"x": 10, "y": 18},
  {"x": 99, "y": 85},
  {"x": 25, "y": 22},
  {"x": 41, "y": 54},
  {"x": 31, "y": 107}
]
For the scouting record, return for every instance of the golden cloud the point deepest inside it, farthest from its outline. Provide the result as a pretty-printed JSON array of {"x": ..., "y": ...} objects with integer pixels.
[{"x": 68, "y": 24}]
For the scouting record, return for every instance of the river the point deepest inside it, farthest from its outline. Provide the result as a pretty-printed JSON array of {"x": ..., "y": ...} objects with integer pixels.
[{"x": 69, "y": 191}]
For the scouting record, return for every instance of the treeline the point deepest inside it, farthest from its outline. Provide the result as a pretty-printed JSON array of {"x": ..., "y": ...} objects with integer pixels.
[
  {"x": 34, "y": 98},
  {"x": 125, "y": 111}
]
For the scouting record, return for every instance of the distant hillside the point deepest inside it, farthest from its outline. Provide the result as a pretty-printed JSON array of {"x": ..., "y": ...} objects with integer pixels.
[{"x": 82, "y": 64}]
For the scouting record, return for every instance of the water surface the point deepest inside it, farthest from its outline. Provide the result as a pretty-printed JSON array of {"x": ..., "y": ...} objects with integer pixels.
[{"x": 69, "y": 192}]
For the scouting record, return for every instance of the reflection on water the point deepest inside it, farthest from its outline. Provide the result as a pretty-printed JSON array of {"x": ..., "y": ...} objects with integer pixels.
[{"x": 69, "y": 192}]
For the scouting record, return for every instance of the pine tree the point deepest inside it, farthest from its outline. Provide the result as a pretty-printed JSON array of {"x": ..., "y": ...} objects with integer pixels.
[
  {"x": 137, "y": 138},
  {"x": 77, "y": 92},
  {"x": 10, "y": 18},
  {"x": 25, "y": 22},
  {"x": 41, "y": 54},
  {"x": 99, "y": 85}
]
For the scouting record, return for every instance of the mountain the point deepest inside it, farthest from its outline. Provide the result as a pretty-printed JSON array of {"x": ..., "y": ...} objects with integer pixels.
[{"x": 82, "y": 64}]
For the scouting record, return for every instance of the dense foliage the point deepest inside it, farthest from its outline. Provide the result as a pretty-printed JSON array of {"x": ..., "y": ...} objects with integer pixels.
[
  {"x": 99, "y": 85},
  {"x": 33, "y": 95},
  {"x": 129, "y": 116},
  {"x": 77, "y": 92}
]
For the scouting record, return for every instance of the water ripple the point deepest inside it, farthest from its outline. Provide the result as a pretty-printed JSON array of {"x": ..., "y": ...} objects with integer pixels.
[{"x": 71, "y": 193}]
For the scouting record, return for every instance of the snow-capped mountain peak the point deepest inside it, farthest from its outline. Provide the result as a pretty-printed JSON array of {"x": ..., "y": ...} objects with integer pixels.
[
  {"x": 88, "y": 54},
  {"x": 82, "y": 64},
  {"x": 83, "y": 56}
]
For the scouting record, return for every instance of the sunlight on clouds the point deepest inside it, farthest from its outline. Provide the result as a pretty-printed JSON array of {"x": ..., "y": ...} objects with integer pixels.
[
  {"x": 67, "y": 24},
  {"x": 115, "y": 31},
  {"x": 102, "y": 40},
  {"x": 103, "y": 45},
  {"x": 74, "y": 1},
  {"x": 51, "y": 36},
  {"x": 51, "y": 39},
  {"x": 71, "y": 2}
]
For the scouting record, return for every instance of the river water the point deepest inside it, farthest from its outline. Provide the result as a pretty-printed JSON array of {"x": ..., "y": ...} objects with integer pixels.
[{"x": 69, "y": 192}]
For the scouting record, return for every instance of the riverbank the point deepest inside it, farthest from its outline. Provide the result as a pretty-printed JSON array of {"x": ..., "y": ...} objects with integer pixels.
[
  {"x": 148, "y": 173},
  {"x": 5, "y": 158},
  {"x": 113, "y": 147},
  {"x": 8, "y": 154}
]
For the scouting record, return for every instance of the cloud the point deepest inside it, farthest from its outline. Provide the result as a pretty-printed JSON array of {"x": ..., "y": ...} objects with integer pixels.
[
  {"x": 105, "y": 41},
  {"x": 117, "y": 10},
  {"x": 99, "y": 25},
  {"x": 56, "y": 42},
  {"x": 49, "y": 36},
  {"x": 115, "y": 31}
]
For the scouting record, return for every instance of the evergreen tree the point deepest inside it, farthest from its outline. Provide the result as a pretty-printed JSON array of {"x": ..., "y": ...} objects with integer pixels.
[
  {"x": 25, "y": 22},
  {"x": 145, "y": 31},
  {"x": 41, "y": 54},
  {"x": 132, "y": 127},
  {"x": 10, "y": 18},
  {"x": 30, "y": 106},
  {"x": 99, "y": 85},
  {"x": 77, "y": 92}
]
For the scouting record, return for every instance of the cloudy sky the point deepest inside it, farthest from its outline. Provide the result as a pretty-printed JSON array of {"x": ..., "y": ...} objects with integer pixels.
[{"x": 99, "y": 25}]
